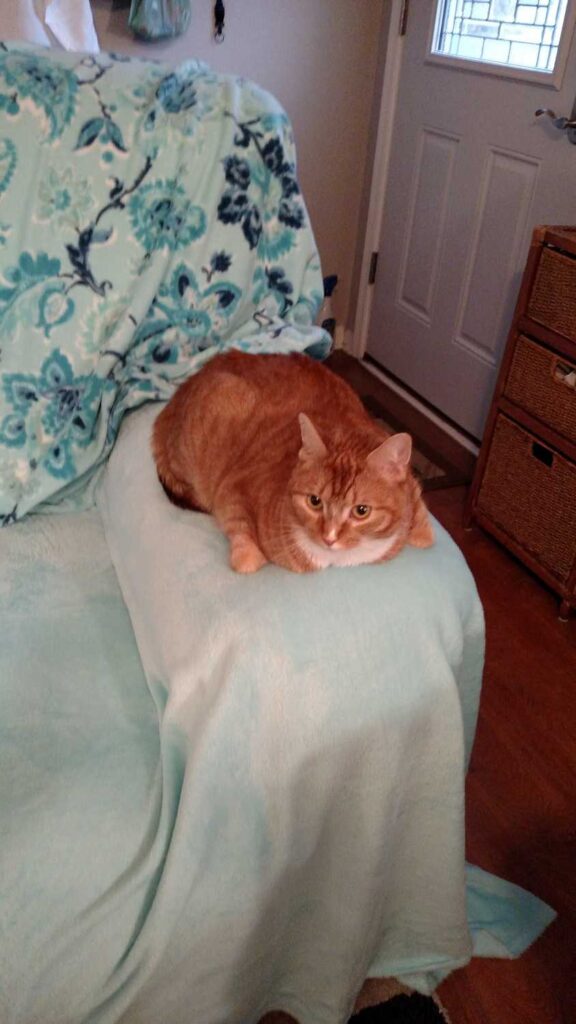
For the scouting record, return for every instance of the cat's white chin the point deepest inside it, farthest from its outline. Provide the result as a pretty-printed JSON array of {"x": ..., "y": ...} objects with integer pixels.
[{"x": 371, "y": 550}]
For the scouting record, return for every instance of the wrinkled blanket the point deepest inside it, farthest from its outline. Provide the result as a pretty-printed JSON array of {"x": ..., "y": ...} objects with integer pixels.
[
  {"x": 149, "y": 216},
  {"x": 313, "y": 724},
  {"x": 316, "y": 726},
  {"x": 246, "y": 824}
]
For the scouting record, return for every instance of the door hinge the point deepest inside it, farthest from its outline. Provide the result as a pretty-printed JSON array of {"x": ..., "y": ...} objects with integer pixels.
[
  {"x": 373, "y": 268},
  {"x": 403, "y": 20}
]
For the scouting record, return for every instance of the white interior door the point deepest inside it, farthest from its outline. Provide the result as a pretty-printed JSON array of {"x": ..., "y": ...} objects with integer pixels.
[{"x": 472, "y": 171}]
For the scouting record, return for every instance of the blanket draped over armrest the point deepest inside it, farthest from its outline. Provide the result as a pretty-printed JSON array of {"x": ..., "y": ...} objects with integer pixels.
[
  {"x": 148, "y": 217},
  {"x": 318, "y": 728},
  {"x": 172, "y": 851}
]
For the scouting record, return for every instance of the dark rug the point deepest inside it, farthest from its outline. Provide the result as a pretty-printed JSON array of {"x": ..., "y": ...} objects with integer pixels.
[
  {"x": 413, "y": 1009},
  {"x": 432, "y": 470}
]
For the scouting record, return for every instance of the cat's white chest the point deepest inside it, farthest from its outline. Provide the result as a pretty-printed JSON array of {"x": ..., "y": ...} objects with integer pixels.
[{"x": 370, "y": 550}]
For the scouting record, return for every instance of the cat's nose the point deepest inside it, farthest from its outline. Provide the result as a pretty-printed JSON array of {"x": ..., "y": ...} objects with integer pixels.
[{"x": 330, "y": 538}]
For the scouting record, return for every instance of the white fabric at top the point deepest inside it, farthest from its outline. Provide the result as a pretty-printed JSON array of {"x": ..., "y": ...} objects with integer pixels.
[
  {"x": 66, "y": 22},
  {"x": 71, "y": 22}
]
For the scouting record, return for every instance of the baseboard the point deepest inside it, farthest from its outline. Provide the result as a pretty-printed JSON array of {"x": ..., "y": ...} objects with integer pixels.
[{"x": 448, "y": 428}]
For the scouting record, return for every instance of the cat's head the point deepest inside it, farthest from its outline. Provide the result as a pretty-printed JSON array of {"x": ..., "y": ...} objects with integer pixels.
[{"x": 346, "y": 499}]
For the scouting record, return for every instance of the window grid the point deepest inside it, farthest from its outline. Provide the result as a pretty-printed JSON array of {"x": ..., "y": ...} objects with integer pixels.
[{"x": 517, "y": 33}]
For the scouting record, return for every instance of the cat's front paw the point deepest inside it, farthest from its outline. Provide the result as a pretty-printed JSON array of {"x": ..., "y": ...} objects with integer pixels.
[{"x": 245, "y": 555}]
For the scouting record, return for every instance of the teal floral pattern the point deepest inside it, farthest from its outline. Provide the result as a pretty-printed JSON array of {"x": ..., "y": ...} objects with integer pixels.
[
  {"x": 53, "y": 404},
  {"x": 185, "y": 99},
  {"x": 163, "y": 216},
  {"x": 51, "y": 88},
  {"x": 166, "y": 224},
  {"x": 264, "y": 171},
  {"x": 8, "y": 161},
  {"x": 185, "y": 317},
  {"x": 33, "y": 295},
  {"x": 64, "y": 198}
]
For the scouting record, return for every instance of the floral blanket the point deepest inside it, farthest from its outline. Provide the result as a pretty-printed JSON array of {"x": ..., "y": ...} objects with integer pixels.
[{"x": 149, "y": 217}]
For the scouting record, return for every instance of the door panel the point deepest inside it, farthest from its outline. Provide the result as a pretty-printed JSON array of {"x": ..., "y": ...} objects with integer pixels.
[
  {"x": 502, "y": 212},
  {"x": 472, "y": 171},
  {"x": 421, "y": 259}
]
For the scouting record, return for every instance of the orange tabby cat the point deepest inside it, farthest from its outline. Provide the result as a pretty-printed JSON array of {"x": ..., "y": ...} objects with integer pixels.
[{"x": 282, "y": 452}]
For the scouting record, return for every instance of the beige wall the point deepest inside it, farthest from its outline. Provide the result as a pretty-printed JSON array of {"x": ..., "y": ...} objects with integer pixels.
[{"x": 320, "y": 58}]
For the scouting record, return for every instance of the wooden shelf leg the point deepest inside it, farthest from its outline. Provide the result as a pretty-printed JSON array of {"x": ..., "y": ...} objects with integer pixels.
[{"x": 468, "y": 517}]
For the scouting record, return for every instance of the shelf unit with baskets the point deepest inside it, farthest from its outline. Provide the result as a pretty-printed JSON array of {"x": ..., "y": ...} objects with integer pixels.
[{"x": 524, "y": 488}]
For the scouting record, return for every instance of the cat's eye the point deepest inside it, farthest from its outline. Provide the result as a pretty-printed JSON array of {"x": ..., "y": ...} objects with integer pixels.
[
  {"x": 314, "y": 501},
  {"x": 361, "y": 511}
]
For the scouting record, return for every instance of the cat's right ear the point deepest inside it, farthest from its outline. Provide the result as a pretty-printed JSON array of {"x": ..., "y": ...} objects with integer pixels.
[
  {"x": 313, "y": 446},
  {"x": 392, "y": 458}
]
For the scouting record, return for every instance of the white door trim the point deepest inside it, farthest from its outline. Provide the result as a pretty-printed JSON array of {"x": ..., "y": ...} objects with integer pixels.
[{"x": 383, "y": 148}]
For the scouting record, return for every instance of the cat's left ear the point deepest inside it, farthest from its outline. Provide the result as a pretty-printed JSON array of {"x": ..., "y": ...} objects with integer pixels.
[
  {"x": 392, "y": 458},
  {"x": 312, "y": 444}
]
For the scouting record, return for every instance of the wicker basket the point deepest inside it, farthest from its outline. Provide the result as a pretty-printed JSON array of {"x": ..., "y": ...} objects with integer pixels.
[
  {"x": 552, "y": 299},
  {"x": 529, "y": 491},
  {"x": 536, "y": 383}
]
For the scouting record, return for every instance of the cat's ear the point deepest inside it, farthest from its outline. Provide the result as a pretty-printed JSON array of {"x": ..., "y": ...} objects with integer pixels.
[
  {"x": 421, "y": 532},
  {"x": 392, "y": 458},
  {"x": 312, "y": 444}
]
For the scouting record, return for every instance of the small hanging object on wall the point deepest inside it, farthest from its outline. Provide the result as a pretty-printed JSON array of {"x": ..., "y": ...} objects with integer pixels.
[
  {"x": 159, "y": 19},
  {"x": 219, "y": 15}
]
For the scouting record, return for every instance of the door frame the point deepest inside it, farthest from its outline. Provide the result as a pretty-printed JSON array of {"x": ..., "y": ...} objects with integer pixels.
[
  {"x": 400, "y": 14},
  {"x": 380, "y": 170}
]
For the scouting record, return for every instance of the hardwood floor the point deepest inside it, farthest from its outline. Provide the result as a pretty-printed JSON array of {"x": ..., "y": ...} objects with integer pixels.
[{"x": 521, "y": 789}]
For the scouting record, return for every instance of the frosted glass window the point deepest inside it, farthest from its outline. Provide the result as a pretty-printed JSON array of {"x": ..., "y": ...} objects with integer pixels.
[{"x": 515, "y": 33}]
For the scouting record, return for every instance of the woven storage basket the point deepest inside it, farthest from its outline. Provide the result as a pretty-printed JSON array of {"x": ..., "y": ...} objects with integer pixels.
[
  {"x": 534, "y": 384},
  {"x": 533, "y": 501},
  {"x": 552, "y": 301}
]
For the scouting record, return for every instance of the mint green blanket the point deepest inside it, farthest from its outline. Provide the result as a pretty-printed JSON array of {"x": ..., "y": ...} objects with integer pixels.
[
  {"x": 149, "y": 216},
  {"x": 256, "y": 804}
]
